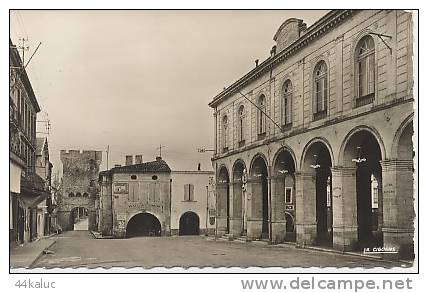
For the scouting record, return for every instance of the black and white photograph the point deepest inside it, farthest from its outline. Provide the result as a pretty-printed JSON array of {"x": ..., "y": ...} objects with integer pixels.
[{"x": 211, "y": 140}]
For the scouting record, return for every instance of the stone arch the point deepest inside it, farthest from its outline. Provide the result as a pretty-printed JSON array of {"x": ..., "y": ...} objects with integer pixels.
[
  {"x": 79, "y": 218},
  {"x": 223, "y": 199},
  {"x": 235, "y": 166},
  {"x": 263, "y": 157},
  {"x": 315, "y": 205},
  {"x": 223, "y": 171},
  {"x": 239, "y": 175},
  {"x": 258, "y": 180},
  {"x": 362, "y": 152},
  {"x": 189, "y": 223},
  {"x": 152, "y": 214},
  {"x": 287, "y": 149},
  {"x": 398, "y": 135},
  {"x": 322, "y": 140},
  {"x": 293, "y": 222},
  {"x": 370, "y": 129}
]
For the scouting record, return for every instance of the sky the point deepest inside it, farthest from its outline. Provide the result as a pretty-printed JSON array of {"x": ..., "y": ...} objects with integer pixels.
[{"x": 133, "y": 80}]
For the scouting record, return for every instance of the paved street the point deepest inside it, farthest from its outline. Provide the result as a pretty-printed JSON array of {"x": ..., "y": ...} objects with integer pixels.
[{"x": 80, "y": 248}]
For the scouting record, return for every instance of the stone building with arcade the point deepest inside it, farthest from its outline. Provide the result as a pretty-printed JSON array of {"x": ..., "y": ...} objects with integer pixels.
[
  {"x": 314, "y": 144},
  {"x": 78, "y": 194}
]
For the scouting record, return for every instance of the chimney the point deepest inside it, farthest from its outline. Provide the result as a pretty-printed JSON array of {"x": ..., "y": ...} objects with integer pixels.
[
  {"x": 129, "y": 160},
  {"x": 138, "y": 159},
  {"x": 273, "y": 51},
  {"x": 257, "y": 62},
  {"x": 158, "y": 158}
]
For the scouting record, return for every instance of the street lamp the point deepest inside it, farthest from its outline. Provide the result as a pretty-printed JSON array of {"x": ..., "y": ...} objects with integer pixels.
[{"x": 359, "y": 159}]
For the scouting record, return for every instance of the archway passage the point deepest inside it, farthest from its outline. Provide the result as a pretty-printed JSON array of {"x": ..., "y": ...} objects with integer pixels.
[
  {"x": 143, "y": 224},
  {"x": 260, "y": 194},
  {"x": 239, "y": 196},
  {"x": 223, "y": 197},
  {"x": 189, "y": 224},
  {"x": 283, "y": 196},
  {"x": 79, "y": 219},
  {"x": 363, "y": 151},
  {"x": 318, "y": 162}
]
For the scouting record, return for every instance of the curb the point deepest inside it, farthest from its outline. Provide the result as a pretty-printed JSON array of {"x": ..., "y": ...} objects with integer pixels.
[
  {"x": 40, "y": 255},
  {"x": 326, "y": 250}
]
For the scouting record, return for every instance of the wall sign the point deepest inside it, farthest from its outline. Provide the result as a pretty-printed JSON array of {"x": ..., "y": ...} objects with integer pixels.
[{"x": 121, "y": 188}]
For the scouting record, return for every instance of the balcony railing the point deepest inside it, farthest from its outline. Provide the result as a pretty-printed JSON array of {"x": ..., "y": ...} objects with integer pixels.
[{"x": 364, "y": 100}]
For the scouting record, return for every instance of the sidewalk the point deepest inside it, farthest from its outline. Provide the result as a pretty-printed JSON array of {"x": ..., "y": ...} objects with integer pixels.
[{"x": 25, "y": 256}]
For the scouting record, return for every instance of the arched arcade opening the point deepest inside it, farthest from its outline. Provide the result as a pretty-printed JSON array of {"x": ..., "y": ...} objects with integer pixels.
[
  {"x": 283, "y": 197},
  {"x": 189, "y": 224},
  {"x": 223, "y": 200},
  {"x": 317, "y": 193},
  {"x": 239, "y": 223},
  {"x": 79, "y": 219},
  {"x": 260, "y": 199},
  {"x": 143, "y": 224},
  {"x": 363, "y": 152}
]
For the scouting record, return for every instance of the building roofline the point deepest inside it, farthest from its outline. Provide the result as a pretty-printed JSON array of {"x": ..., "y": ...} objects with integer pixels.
[
  {"x": 192, "y": 172},
  {"x": 328, "y": 21},
  {"x": 13, "y": 53}
]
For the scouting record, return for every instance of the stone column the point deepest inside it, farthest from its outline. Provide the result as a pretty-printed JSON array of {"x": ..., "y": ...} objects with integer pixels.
[
  {"x": 222, "y": 189},
  {"x": 254, "y": 208},
  {"x": 306, "y": 227},
  {"x": 344, "y": 202},
  {"x": 236, "y": 214},
  {"x": 278, "y": 209},
  {"x": 398, "y": 207}
]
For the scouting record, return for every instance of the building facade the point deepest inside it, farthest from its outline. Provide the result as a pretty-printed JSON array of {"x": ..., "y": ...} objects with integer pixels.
[
  {"x": 78, "y": 194},
  {"x": 44, "y": 170},
  {"x": 135, "y": 199},
  {"x": 192, "y": 200},
  {"x": 148, "y": 199},
  {"x": 320, "y": 136},
  {"x": 27, "y": 189}
]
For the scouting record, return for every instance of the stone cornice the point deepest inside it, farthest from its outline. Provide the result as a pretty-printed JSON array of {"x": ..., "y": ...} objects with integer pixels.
[{"x": 323, "y": 25}]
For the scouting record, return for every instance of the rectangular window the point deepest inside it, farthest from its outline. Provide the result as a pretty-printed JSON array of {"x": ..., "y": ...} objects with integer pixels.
[
  {"x": 188, "y": 192},
  {"x": 375, "y": 199},
  {"x": 288, "y": 195}
]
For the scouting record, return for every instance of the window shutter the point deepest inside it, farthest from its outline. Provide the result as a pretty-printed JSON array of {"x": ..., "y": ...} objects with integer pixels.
[
  {"x": 186, "y": 192},
  {"x": 191, "y": 188}
]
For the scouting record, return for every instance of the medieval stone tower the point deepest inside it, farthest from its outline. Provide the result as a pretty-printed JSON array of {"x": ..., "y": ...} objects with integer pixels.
[{"x": 79, "y": 189}]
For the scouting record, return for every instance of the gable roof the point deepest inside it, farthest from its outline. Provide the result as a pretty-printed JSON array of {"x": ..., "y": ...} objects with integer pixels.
[{"x": 158, "y": 166}]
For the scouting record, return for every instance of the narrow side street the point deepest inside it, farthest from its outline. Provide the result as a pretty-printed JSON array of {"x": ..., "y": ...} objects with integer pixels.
[{"x": 80, "y": 248}]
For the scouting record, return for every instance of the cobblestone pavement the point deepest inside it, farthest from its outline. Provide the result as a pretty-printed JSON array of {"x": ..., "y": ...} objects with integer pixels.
[{"x": 81, "y": 249}]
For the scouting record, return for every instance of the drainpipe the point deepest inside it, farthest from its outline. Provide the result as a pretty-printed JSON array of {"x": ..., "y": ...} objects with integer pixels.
[
  {"x": 170, "y": 206},
  {"x": 206, "y": 216}
]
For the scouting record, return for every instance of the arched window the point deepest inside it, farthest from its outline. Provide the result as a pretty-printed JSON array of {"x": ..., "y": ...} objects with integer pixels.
[
  {"x": 261, "y": 116},
  {"x": 71, "y": 194},
  {"x": 224, "y": 133},
  {"x": 286, "y": 103},
  {"x": 365, "y": 68},
  {"x": 78, "y": 194},
  {"x": 241, "y": 115},
  {"x": 320, "y": 90},
  {"x": 85, "y": 194}
]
